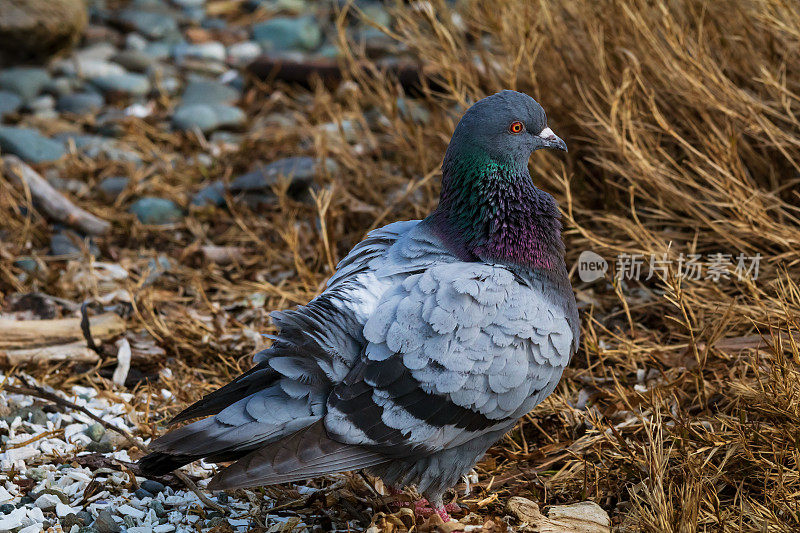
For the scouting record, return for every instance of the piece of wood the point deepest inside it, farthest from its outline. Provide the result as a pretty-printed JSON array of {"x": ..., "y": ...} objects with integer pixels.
[
  {"x": 24, "y": 334},
  {"x": 76, "y": 352},
  {"x": 52, "y": 202}
]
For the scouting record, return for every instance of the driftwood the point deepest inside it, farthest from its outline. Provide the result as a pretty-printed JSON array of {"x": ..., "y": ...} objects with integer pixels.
[
  {"x": 76, "y": 352},
  {"x": 26, "y": 334},
  {"x": 52, "y": 202}
]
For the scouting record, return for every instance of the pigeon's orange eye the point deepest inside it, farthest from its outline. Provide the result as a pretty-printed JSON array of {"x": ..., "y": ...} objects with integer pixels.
[{"x": 516, "y": 127}]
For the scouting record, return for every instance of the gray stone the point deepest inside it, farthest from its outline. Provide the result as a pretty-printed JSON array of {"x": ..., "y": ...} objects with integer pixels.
[
  {"x": 244, "y": 52},
  {"x": 34, "y": 30},
  {"x": 128, "y": 84},
  {"x": 134, "y": 60},
  {"x": 158, "y": 50},
  {"x": 203, "y": 91},
  {"x": 142, "y": 494},
  {"x": 63, "y": 85},
  {"x": 9, "y": 102},
  {"x": 80, "y": 103},
  {"x": 214, "y": 194},
  {"x": 104, "y": 446},
  {"x": 210, "y": 50},
  {"x": 158, "y": 508},
  {"x": 207, "y": 117},
  {"x": 151, "y": 24},
  {"x": 27, "y": 82},
  {"x": 151, "y": 210},
  {"x": 70, "y": 520},
  {"x": 95, "y": 431},
  {"x": 90, "y": 67},
  {"x": 153, "y": 487},
  {"x": 30, "y": 145},
  {"x": 45, "y": 102},
  {"x": 67, "y": 243},
  {"x": 288, "y": 33},
  {"x": 112, "y": 186},
  {"x": 105, "y": 522},
  {"x": 29, "y": 265},
  {"x": 299, "y": 170}
]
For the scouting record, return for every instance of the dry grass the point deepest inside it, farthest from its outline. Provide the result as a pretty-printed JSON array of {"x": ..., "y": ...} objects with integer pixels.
[{"x": 681, "y": 122}]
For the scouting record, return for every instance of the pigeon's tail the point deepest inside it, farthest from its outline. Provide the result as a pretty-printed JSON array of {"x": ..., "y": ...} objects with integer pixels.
[
  {"x": 302, "y": 455},
  {"x": 159, "y": 464}
]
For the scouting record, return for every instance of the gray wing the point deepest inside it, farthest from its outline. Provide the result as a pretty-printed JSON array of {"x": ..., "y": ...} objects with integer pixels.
[
  {"x": 286, "y": 390},
  {"x": 456, "y": 351}
]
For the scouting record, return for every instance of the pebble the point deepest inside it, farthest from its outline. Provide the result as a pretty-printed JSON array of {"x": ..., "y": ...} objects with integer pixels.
[
  {"x": 158, "y": 211},
  {"x": 288, "y": 33},
  {"x": 300, "y": 170},
  {"x": 134, "y": 60},
  {"x": 142, "y": 494},
  {"x": 9, "y": 102},
  {"x": 211, "y": 50},
  {"x": 26, "y": 82},
  {"x": 152, "y": 486},
  {"x": 80, "y": 103},
  {"x": 213, "y": 194},
  {"x": 90, "y": 67},
  {"x": 112, "y": 186},
  {"x": 130, "y": 84},
  {"x": 205, "y": 91},
  {"x": 104, "y": 446},
  {"x": 149, "y": 23},
  {"x": 207, "y": 117},
  {"x": 243, "y": 52},
  {"x": 65, "y": 243},
  {"x": 30, "y": 145},
  {"x": 47, "y": 502},
  {"x": 95, "y": 431}
]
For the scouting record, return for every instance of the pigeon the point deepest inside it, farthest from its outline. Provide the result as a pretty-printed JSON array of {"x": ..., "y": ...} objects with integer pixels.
[{"x": 431, "y": 339}]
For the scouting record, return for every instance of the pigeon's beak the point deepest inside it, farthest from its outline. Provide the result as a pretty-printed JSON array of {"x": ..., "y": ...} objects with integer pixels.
[{"x": 551, "y": 140}]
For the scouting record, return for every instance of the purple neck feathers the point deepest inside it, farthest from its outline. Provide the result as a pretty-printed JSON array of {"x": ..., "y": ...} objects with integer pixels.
[{"x": 494, "y": 212}]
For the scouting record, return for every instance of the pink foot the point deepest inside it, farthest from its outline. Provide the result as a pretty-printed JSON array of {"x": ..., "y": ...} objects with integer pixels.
[{"x": 423, "y": 509}]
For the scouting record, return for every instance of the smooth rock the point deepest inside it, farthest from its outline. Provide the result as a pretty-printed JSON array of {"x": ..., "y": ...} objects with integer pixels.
[
  {"x": 288, "y": 33},
  {"x": 203, "y": 91},
  {"x": 90, "y": 67},
  {"x": 112, "y": 186},
  {"x": 151, "y": 24},
  {"x": 142, "y": 494},
  {"x": 244, "y": 52},
  {"x": 299, "y": 170},
  {"x": 158, "y": 211},
  {"x": 134, "y": 60},
  {"x": 153, "y": 487},
  {"x": 29, "y": 265},
  {"x": 95, "y": 431},
  {"x": 80, "y": 103},
  {"x": 207, "y": 117},
  {"x": 47, "y": 502},
  {"x": 33, "y": 30},
  {"x": 67, "y": 243},
  {"x": 211, "y": 50},
  {"x": 214, "y": 194},
  {"x": 27, "y": 82},
  {"x": 127, "y": 84},
  {"x": 104, "y": 446},
  {"x": 9, "y": 102},
  {"x": 29, "y": 144}
]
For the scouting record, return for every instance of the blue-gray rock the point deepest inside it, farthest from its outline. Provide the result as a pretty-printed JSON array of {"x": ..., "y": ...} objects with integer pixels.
[
  {"x": 142, "y": 494},
  {"x": 158, "y": 50},
  {"x": 210, "y": 50},
  {"x": 95, "y": 431},
  {"x": 128, "y": 84},
  {"x": 29, "y": 144},
  {"x": 9, "y": 102},
  {"x": 153, "y": 487},
  {"x": 112, "y": 186},
  {"x": 95, "y": 146},
  {"x": 63, "y": 85},
  {"x": 68, "y": 242},
  {"x": 27, "y": 82},
  {"x": 204, "y": 91},
  {"x": 213, "y": 23},
  {"x": 29, "y": 265},
  {"x": 152, "y": 210},
  {"x": 151, "y": 24},
  {"x": 105, "y": 522},
  {"x": 135, "y": 60},
  {"x": 158, "y": 508},
  {"x": 104, "y": 446},
  {"x": 300, "y": 170},
  {"x": 86, "y": 516},
  {"x": 288, "y": 33},
  {"x": 244, "y": 52},
  {"x": 207, "y": 117},
  {"x": 80, "y": 103},
  {"x": 214, "y": 194}
]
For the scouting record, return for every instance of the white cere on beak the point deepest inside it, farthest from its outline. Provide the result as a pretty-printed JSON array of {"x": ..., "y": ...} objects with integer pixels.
[{"x": 548, "y": 135}]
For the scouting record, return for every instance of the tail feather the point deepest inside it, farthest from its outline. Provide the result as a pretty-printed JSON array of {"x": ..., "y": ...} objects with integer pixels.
[{"x": 305, "y": 454}]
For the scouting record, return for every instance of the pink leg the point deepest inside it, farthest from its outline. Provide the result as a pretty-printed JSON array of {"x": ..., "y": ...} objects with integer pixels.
[{"x": 423, "y": 509}]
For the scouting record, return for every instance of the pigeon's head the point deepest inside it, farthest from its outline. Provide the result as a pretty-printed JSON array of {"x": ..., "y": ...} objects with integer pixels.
[{"x": 506, "y": 127}]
